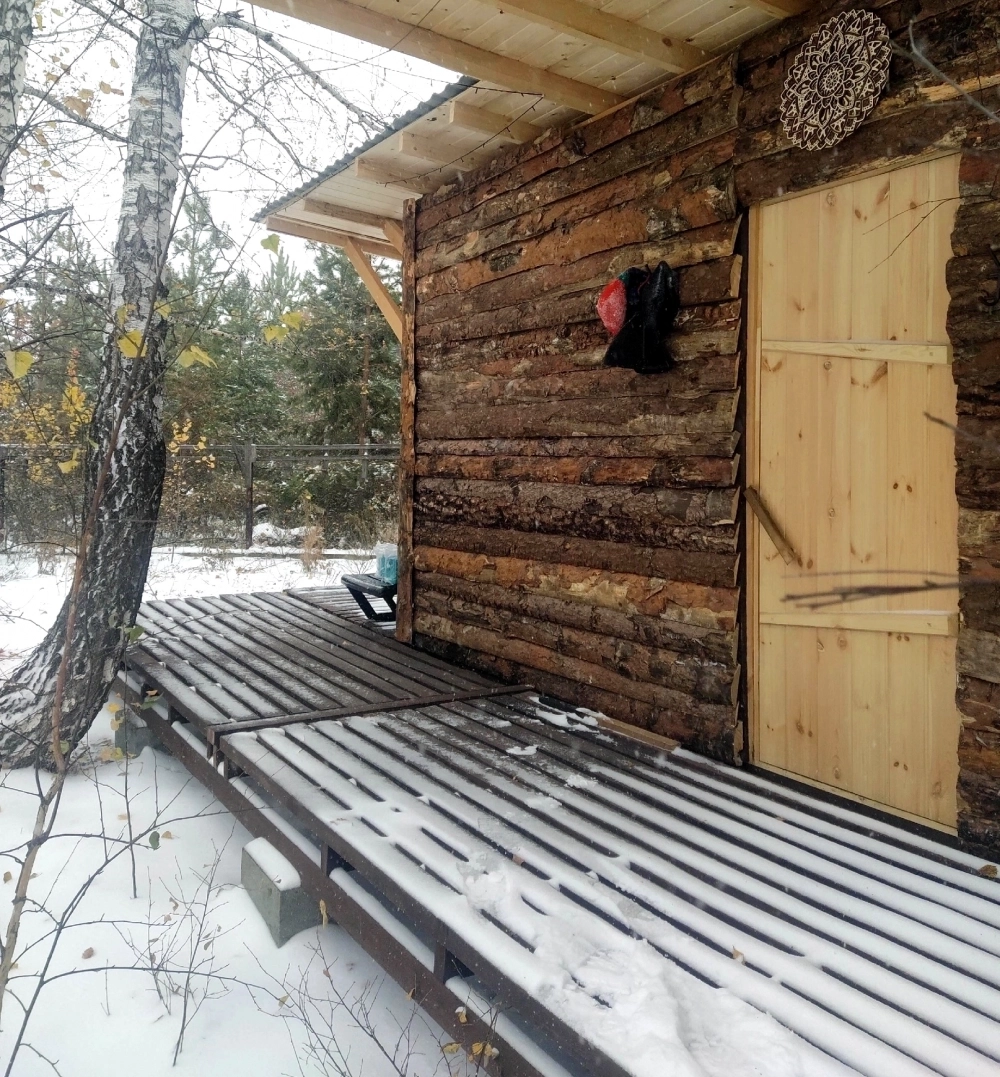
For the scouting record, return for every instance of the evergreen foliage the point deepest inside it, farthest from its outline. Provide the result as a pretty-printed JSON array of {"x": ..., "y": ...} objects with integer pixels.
[{"x": 288, "y": 359}]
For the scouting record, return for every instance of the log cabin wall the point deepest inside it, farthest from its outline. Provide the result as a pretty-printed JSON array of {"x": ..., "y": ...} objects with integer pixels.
[{"x": 578, "y": 527}]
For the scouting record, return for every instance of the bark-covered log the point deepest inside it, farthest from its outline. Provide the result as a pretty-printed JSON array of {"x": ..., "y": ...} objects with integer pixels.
[
  {"x": 712, "y": 608},
  {"x": 716, "y": 734},
  {"x": 628, "y": 416},
  {"x": 711, "y": 644},
  {"x": 671, "y": 472},
  {"x": 647, "y": 669},
  {"x": 669, "y": 207},
  {"x": 613, "y": 231},
  {"x": 613, "y": 513},
  {"x": 709, "y": 558},
  {"x": 537, "y": 656},
  {"x": 608, "y": 448},
  {"x": 569, "y": 169},
  {"x": 126, "y": 459},
  {"x": 468, "y": 389},
  {"x": 700, "y": 282}
]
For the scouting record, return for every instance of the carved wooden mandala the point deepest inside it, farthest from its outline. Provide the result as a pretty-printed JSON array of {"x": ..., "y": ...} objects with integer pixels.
[{"x": 835, "y": 80}]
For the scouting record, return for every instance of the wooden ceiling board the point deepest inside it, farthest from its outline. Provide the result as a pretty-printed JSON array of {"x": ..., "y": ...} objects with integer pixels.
[{"x": 567, "y": 47}]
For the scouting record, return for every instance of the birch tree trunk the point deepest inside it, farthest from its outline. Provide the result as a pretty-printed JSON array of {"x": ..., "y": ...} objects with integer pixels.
[
  {"x": 15, "y": 37},
  {"x": 48, "y": 702}
]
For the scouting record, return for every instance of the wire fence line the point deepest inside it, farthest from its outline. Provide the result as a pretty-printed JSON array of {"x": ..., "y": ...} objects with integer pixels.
[{"x": 348, "y": 490}]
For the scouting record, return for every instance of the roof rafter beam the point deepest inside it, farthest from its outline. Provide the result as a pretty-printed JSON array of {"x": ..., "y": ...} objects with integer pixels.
[
  {"x": 394, "y": 34},
  {"x": 484, "y": 122},
  {"x": 428, "y": 149},
  {"x": 781, "y": 9},
  {"x": 599, "y": 28},
  {"x": 320, "y": 234},
  {"x": 323, "y": 208},
  {"x": 376, "y": 172}
]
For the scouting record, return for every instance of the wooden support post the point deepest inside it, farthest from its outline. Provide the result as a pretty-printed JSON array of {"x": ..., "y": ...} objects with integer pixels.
[
  {"x": 245, "y": 456},
  {"x": 447, "y": 965},
  {"x": 393, "y": 233},
  {"x": 376, "y": 287},
  {"x": 407, "y": 416},
  {"x": 331, "y": 860}
]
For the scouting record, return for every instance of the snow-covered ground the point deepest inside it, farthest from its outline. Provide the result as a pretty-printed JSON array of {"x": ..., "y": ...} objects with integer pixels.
[{"x": 104, "y": 1012}]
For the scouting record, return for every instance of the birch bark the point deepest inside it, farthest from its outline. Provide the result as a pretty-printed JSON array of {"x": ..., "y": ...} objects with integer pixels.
[
  {"x": 15, "y": 37},
  {"x": 49, "y": 701}
]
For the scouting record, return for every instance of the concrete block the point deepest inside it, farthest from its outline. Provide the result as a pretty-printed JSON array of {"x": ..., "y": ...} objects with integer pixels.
[
  {"x": 275, "y": 888},
  {"x": 133, "y": 735}
]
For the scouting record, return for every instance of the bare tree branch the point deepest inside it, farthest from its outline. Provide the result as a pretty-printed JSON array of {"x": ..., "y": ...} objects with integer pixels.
[{"x": 58, "y": 106}]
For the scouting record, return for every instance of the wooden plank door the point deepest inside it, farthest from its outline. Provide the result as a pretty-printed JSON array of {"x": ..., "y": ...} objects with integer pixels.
[{"x": 849, "y": 355}]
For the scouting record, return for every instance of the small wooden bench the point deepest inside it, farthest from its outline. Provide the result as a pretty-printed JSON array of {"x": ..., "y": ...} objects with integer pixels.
[{"x": 368, "y": 583}]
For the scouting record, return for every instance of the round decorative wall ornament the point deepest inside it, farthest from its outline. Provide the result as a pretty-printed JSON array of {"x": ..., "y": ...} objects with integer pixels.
[{"x": 836, "y": 79}]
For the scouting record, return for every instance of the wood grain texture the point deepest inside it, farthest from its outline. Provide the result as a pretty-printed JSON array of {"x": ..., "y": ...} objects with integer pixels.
[
  {"x": 512, "y": 393},
  {"x": 407, "y": 436}
]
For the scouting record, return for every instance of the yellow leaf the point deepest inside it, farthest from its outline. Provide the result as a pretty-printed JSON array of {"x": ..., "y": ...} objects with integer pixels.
[
  {"x": 166, "y": 835},
  {"x": 451, "y": 1048},
  {"x": 106, "y": 88},
  {"x": 739, "y": 956},
  {"x": 77, "y": 105},
  {"x": 275, "y": 332},
  {"x": 87, "y": 95},
  {"x": 88, "y": 953},
  {"x": 7, "y": 876},
  {"x": 114, "y": 64},
  {"x": 271, "y": 243},
  {"x": 53, "y": 172},
  {"x": 132, "y": 345},
  {"x": 19, "y": 363},
  {"x": 325, "y": 917},
  {"x": 37, "y": 188},
  {"x": 463, "y": 1017},
  {"x": 39, "y": 137},
  {"x": 68, "y": 466},
  {"x": 988, "y": 871},
  {"x": 163, "y": 308},
  {"x": 193, "y": 354},
  {"x": 482, "y": 1051},
  {"x": 38, "y": 20},
  {"x": 116, "y": 723},
  {"x": 114, "y": 708},
  {"x": 292, "y": 318}
]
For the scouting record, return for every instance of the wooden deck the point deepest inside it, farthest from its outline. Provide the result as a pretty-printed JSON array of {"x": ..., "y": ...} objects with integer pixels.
[{"x": 510, "y": 854}]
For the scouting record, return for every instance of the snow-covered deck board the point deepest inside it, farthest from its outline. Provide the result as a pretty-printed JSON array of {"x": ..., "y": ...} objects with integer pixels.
[
  {"x": 599, "y": 889},
  {"x": 246, "y": 658},
  {"x": 581, "y": 875}
]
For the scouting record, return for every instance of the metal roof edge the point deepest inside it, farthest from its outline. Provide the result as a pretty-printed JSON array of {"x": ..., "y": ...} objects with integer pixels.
[{"x": 453, "y": 89}]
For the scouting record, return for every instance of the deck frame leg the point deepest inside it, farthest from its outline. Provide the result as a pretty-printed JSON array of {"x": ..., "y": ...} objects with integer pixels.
[
  {"x": 331, "y": 860},
  {"x": 447, "y": 965}
]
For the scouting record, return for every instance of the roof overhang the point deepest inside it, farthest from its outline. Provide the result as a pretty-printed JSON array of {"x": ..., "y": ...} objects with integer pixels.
[{"x": 529, "y": 65}]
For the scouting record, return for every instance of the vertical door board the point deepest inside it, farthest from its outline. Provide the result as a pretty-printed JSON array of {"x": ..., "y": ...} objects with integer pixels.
[{"x": 861, "y": 484}]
